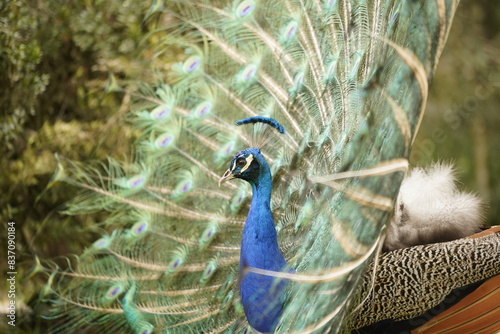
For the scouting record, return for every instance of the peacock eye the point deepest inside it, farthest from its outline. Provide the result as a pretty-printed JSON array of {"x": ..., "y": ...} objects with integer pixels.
[{"x": 241, "y": 162}]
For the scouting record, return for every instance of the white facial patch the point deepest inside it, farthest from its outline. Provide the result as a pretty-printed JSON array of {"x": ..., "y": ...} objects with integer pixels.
[{"x": 249, "y": 160}]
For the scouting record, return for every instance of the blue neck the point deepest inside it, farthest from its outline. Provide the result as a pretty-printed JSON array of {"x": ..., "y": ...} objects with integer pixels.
[
  {"x": 262, "y": 296},
  {"x": 259, "y": 244}
]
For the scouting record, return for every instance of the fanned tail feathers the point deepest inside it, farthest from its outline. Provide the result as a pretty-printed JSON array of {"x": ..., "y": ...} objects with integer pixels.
[{"x": 347, "y": 79}]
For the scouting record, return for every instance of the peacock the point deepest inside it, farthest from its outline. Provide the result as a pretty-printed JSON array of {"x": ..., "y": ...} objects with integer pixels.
[{"x": 327, "y": 96}]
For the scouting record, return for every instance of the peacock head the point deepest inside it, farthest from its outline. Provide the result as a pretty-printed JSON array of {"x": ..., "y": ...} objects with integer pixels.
[{"x": 247, "y": 165}]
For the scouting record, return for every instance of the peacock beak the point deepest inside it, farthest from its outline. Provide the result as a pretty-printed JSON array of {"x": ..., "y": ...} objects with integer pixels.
[{"x": 226, "y": 177}]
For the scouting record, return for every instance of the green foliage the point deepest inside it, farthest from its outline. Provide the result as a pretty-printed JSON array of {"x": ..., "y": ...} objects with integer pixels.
[
  {"x": 55, "y": 60},
  {"x": 21, "y": 81}
]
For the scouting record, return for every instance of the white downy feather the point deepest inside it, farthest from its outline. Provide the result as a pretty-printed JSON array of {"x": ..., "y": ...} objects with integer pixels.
[{"x": 430, "y": 208}]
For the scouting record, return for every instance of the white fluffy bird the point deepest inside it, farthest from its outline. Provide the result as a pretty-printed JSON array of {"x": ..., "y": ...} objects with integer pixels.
[{"x": 430, "y": 208}]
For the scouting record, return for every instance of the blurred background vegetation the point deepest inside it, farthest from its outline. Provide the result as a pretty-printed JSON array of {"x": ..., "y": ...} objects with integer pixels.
[
  {"x": 462, "y": 120},
  {"x": 55, "y": 63}
]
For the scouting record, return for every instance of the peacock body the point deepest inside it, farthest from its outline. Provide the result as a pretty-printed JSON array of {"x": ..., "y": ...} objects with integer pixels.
[
  {"x": 348, "y": 80},
  {"x": 261, "y": 295}
]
